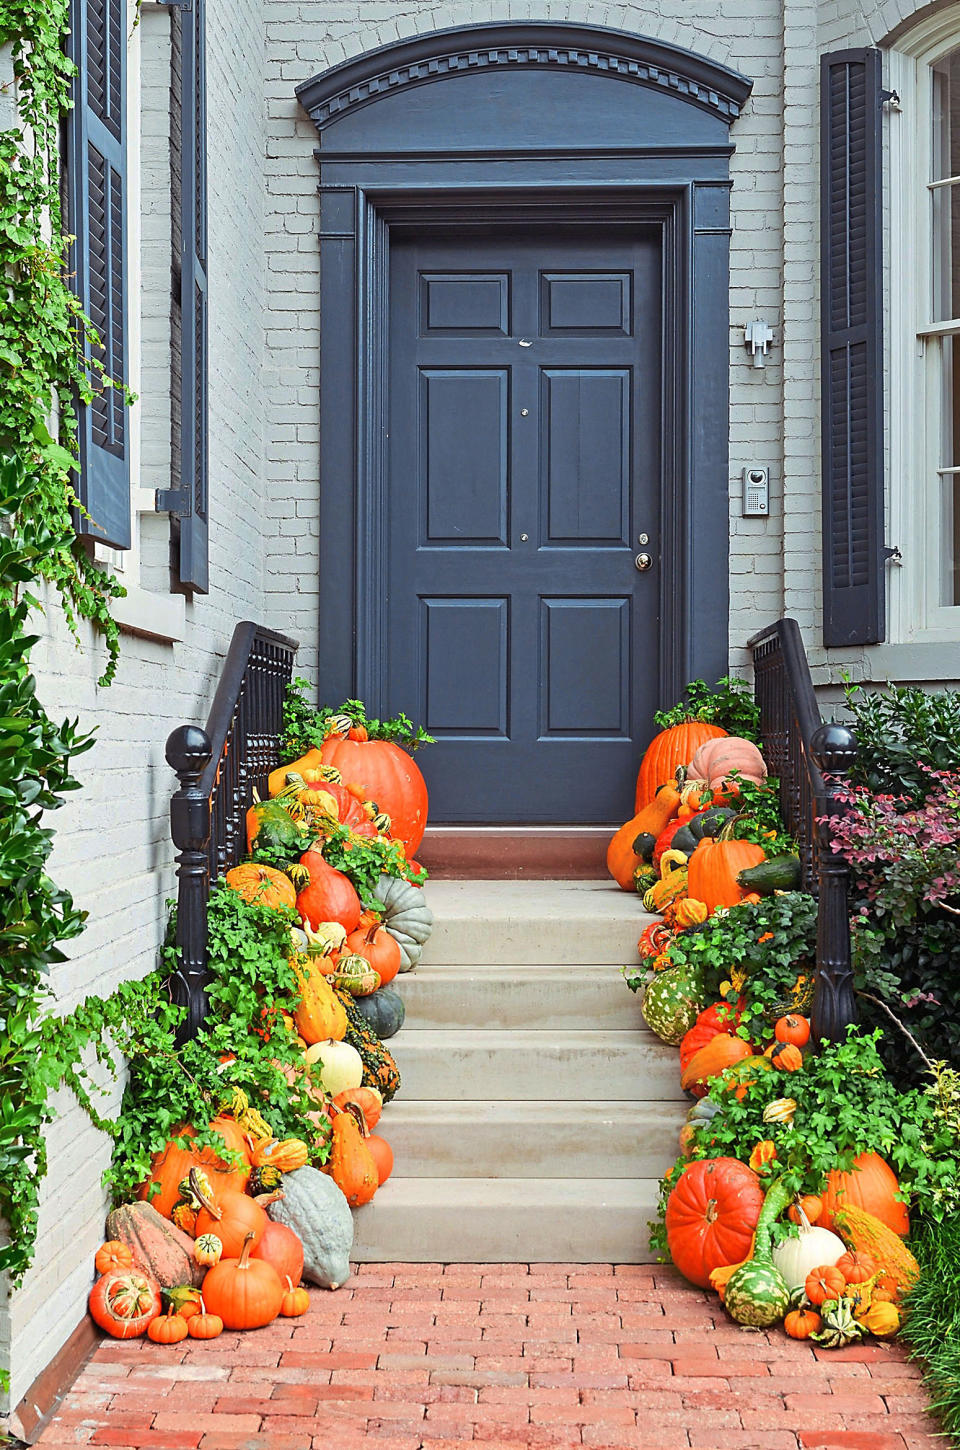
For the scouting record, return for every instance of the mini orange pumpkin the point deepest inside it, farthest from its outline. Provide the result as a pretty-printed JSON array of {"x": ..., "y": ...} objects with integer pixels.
[
  {"x": 262, "y": 884},
  {"x": 295, "y": 1301},
  {"x": 792, "y": 1028},
  {"x": 167, "y": 1328},
  {"x": 855, "y": 1267},
  {"x": 801, "y": 1323},
  {"x": 809, "y": 1206},
  {"x": 114, "y": 1254},
  {"x": 824, "y": 1283},
  {"x": 204, "y": 1325}
]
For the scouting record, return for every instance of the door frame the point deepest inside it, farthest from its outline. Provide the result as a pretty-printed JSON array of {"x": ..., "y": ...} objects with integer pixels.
[{"x": 379, "y": 180}]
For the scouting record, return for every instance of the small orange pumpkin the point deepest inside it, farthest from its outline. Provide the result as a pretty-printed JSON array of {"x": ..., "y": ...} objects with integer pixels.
[
  {"x": 262, "y": 884},
  {"x": 204, "y": 1325},
  {"x": 808, "y": 1206},
  {"x": 167, "y": 1328},
  {"x": 856, "y": 1267},
  {"x": 114, "y": 1254},
  {"x": 801, "y": 1323},
  {"x": 824, "y": 1283},
  {"x": 295, "y": 1301},
  {"x": 792, "y": 1028}
]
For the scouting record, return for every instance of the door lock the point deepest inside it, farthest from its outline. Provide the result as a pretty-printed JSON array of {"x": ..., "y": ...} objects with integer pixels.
[{"x": 643, "y": 562}]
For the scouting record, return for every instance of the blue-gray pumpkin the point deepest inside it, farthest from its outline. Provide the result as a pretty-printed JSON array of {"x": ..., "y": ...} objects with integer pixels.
[{"x": 383, "y": 1011}]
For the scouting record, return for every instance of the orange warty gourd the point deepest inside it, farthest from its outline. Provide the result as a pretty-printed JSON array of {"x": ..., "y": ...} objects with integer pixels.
[
  {"x": 898, "y": 1269},
  {"x": 713, "y": 869},
  {"x": 352, "y": 1166},
  {"x": 262, "y": 884},
  {"x": 320, "y": 1015},
  {"x": 721, "y": 1052},
  {"x": 666, "y": 751},
  {"x": 171, "y": 1166},
  {"x": 622, "y": 860},
  {"x": 387, "y": 775},
  {"x": 870, "y": 1184}
]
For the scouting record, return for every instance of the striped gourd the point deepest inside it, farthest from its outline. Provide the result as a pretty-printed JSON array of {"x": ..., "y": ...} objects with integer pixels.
[
  {"x": 863, "y": 1231},
  {"x": 756, "y": 1293}
]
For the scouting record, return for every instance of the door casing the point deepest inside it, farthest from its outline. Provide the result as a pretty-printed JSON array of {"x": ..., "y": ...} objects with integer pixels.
[{"x": 385, "y": 167}]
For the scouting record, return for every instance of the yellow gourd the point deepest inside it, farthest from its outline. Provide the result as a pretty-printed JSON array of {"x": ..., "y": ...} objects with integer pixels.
[
  {"x": 881, "y": 1319},
  {"x": 278, "y": 778}
]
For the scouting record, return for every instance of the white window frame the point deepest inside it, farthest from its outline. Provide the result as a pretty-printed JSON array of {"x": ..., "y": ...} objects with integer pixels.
[{"x": 915, "y": 614}]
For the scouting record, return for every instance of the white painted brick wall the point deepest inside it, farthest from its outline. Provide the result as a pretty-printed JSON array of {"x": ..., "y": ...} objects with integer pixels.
[{"x": 113, "y": 847}]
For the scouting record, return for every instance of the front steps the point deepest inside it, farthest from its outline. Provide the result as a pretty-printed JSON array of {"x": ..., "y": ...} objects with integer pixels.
[{"x": 537, "y": 1112}]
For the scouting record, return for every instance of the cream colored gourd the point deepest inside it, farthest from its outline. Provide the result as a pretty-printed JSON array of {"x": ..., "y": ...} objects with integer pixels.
[
  {"x": 795, "y": 1257},
  {"x": 340, "y": 1066}
]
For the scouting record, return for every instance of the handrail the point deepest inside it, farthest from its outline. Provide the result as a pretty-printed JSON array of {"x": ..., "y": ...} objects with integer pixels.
[
  {"x": 810, "y": 759},
  {"x": 218, "y": 769}
]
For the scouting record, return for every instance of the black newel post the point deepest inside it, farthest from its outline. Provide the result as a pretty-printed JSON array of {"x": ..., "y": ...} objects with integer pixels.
[
  {"x": 834, "y": 749},
  {"x": 188, "y": 752}
]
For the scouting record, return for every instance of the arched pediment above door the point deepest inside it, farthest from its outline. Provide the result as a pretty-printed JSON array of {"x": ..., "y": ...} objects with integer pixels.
[{"x": 408, "y": 85}]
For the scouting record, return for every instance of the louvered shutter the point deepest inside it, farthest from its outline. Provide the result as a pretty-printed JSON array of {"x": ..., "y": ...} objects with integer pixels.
[
  {"x": 96, "y": 183},
  {"x": 194, "y": 449},
  {"x": 852, "y": 342}
]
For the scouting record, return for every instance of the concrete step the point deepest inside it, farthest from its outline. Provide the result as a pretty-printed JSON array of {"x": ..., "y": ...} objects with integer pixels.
[
  {"x": 507, "y": 1220},
  {"x": 533, "y": 1139},
  {"x": 560, "y": 922},
  {"x": 540, "y": 997},
  {"x": 450, "y": 1065}
]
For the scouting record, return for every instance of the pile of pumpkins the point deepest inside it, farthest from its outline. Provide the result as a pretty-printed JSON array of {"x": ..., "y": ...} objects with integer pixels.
[{"x": 839, "y": 1275}]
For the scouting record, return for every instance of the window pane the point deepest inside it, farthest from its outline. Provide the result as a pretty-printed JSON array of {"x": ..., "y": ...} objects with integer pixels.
[
  {"x": 948, "y": 513},
  {"x": 945, "y": 200}
]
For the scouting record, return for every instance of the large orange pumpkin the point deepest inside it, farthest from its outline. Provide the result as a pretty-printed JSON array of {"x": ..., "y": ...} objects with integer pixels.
[
  {"x": 713, "y": 869},
  {"x": 666, "y": 751},
  {"x": 711, "y": 1216},
  {"x": 262, "y": 884},
  {"x": 387, "y": 775},
  {"x": 172, "y": 1165},
  {"x": 871, "y": 1184}
]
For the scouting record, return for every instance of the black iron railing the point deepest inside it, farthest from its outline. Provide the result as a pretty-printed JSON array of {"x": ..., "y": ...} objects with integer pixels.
[
  {"x": 810, "y": 759},
  {"x": 218, "y": 769}
]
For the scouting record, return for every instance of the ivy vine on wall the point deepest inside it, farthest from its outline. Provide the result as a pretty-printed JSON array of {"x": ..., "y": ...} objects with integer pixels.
[{"x": 42, "y": 377}]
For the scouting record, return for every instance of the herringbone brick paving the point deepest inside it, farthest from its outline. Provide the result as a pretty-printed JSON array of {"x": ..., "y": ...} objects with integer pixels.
[{"x": 427, "y": 1355}]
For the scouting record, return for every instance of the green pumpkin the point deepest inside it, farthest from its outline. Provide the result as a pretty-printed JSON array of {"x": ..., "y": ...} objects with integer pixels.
[
  {"x": 710, "y": 821},
  {"x": 383, "y": 1011},
  {"x": 757, "y": 1293},
  {"x": 276, "y": 829},
  {"x": 671, "y": 1003}
]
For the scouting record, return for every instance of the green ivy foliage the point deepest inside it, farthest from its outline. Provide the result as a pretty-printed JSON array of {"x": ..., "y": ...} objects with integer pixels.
[
  {"x": 305, "y": 727},
  {"x": 729, "y": 703},
  {"x": 42, "y": 375}
]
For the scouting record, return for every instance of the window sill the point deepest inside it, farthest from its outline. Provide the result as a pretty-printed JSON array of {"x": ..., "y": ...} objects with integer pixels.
[
  {"x": 923, "y": 660},
  {"x": 157, "y": 616}
]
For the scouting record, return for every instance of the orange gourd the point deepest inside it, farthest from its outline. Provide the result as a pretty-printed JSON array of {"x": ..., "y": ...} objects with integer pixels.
[
  {"x": 669, "y": 749},
  {"x": 720, "y": 1052},
  {"x": 622, "y": 860},
  {"x": 352, "y": 1166},
  {"x": 328, "y": 896},
  {"x": 871, "y": 1184},
  {"x": 762, "y": 1154},
  {"x": 287, "y": 1155},
  {"x": 808, "y": 1206},
  {"x": 262, "y": 884},
  {"x": 714, "y": 866},
  {"x": 319, "y": 1015},
  {"x": 278, "y": 778},
  {"x": 245, "y": 1293},
  {"x": 787, "y": 1057}
]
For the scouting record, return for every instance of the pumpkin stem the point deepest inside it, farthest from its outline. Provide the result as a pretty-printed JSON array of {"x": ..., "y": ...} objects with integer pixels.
[
  {"x": 201, "y": 1195},
  {"x": 245, "y": 1251}
]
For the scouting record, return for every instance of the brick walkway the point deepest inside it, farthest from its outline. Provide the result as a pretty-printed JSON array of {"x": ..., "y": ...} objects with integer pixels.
[{"x": 411, "y": 1355}]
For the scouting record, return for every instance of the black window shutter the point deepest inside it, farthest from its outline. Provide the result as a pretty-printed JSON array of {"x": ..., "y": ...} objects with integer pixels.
[
  {"x": 194, "y": 433},
  {"x": 851, "y": 101},
  {"x": 96, "y": 186}
]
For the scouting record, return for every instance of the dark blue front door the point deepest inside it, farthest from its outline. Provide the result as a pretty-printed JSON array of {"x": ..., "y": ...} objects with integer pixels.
[{"x": 523, "y": 467}]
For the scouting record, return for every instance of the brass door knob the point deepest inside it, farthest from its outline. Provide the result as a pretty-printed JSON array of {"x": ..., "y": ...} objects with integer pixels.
[{"x": 643, "y": 561}]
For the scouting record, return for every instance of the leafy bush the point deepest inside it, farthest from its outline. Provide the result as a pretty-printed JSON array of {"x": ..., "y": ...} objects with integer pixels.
[
  {"x": 305, "y": 727},
  {"x": 846, "y": 1105},
  {"x": 729, "y": 703},
  {"x": 906, "y": 920},
  {"x": 903, "y": 732},
  {"x": 932, "y": 1323}
]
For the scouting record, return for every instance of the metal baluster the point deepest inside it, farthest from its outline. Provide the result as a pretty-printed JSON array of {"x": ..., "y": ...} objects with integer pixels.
[{"x": 834, "y": 748}]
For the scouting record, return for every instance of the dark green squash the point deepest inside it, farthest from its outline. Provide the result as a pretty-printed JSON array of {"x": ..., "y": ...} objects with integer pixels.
[
  {"x": 779, "y": 873},
  {"x": 710, "y": 821},
  {"x": 383, "y": 1011}
]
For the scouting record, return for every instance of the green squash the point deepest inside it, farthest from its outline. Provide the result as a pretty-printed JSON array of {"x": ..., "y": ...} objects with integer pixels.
[
  {"x": 778, "y": 873},
  {"x": 757, "y": 1293},
  {"x": 671, "y": 1003},
  {"x": 710, "y": 821},
  {"x": 276, "y": 830},
  {"x": 383, "y": 1011}
]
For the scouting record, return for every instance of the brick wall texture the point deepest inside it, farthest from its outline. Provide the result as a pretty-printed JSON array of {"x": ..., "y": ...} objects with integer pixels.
[{"x": 113, "y": 848}]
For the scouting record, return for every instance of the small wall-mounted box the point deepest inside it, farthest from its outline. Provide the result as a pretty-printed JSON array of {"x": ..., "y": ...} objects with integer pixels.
[{"x": 756, "y": 493}]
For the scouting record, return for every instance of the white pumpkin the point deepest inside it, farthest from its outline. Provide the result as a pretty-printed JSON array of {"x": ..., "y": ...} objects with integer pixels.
[
  {"x": 340, "y": 1065},
  {"x": 812, "y": 1247}
]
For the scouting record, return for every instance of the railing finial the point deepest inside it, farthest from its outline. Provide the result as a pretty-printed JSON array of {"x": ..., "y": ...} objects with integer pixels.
[{"x": 834, "y": 749}]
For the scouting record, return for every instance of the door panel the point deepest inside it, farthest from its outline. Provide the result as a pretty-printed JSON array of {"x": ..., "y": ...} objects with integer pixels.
[{"x": 523, "y": 462}]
